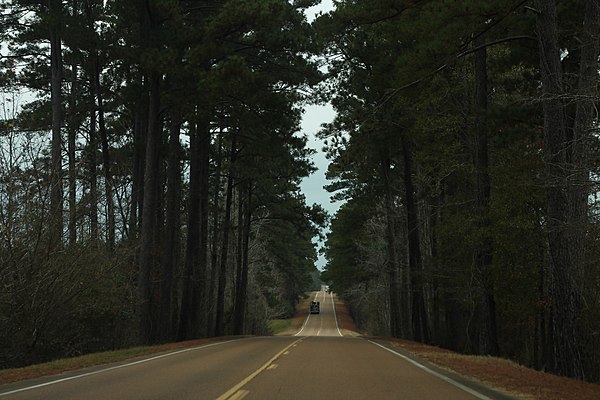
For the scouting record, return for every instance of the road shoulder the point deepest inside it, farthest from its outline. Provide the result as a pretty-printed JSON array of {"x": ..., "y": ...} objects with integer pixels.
[{"x": 478, "y": 389}]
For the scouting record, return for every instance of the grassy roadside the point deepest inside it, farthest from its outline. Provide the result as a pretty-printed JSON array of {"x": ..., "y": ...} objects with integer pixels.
[
  {"x": 504, "y": 375},
  {"x": 289, "y": 326},
  {"x": 279, "y": 326},
  {"x": 91, "y": 360}
]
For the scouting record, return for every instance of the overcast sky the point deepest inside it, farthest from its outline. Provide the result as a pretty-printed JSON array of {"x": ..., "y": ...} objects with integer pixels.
[
  {"x": 312, "y": 186},
  {"x": 314, "y": 116}
]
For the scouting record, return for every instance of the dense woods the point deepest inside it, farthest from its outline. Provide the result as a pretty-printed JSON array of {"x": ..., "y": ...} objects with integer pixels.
[
  {"x": 151, "y": 156},
  {"x": 466, "y": 150},
  {"x": 150, "y": 167}
]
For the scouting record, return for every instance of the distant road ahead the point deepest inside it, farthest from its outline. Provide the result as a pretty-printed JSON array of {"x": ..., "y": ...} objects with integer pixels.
[
  {"x": 317, "y": 363},
  {"x": 325, "y": 323}
]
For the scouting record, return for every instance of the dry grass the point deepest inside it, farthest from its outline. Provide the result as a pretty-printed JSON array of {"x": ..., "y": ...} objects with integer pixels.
[
  {"x": 90, "y": 360},
  {"x": 345, "y": 321},
  {"x": 505, "y": 375}
]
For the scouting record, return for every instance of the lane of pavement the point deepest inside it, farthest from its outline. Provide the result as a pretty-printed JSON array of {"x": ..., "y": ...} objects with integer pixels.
[
  {"x": 324, "y": 323},
  {"x": 318, "y": 363},
  {"x": 325, "y": 365},
  {"x": 201, "y": 373},
  {"x": 348, "y": 368}
]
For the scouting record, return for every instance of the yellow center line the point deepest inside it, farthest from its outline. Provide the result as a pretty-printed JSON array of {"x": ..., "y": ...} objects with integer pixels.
[
  {"x": 239, "y": 395},
  {"x": 229, "y": 395}
]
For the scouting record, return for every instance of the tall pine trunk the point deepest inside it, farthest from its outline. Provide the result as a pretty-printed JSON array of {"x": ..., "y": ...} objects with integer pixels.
[
  {"x": 170, "y": 253},
  {"x": 93, "y": 177},
  {"x": 149, "y": 223},
  {"x": 56, "y": 190},
  {"x": 195, "y": 259},
  {"x": 188, "y": 313},
  {"x": 420, "y": 323},
  {"x": 238, "y": 257},
  {"x": 561, "y": 243},
  {"x": 245, "y": 220},
  {"x": 397, "y": 329},
  {"x": 71, "y": 148},
  {"x": 583, "y": 135},
  {"x": 487, "y": 338},
  {"x": 220, "y": 312},
  {"x": 214, "y": 257},
  {"x": 204, "y": 158},
  {"x": 140, "y": 124},
  {"x": 108, "y": 181}
]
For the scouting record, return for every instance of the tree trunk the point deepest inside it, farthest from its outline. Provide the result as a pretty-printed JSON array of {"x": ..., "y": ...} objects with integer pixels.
[
  {"x": 567, "y": 358},
  {"x": 204, "y": 158},
  {"x": 585, "y": 128},
  {"x": 439, "y": 336},
  {"x": 583, "y": 136},
  {"x": 187, "y": 315},
  {"x": 147, "y": 245},
  {"x": 238, "y": 257},
  {"x": 420, "y": 324},
  {"x": 214, "y": 243},
  {"x": 220, "y": 314},
  {"x": 56, "y": 190},
  {"x": 245, "y": 220},
  {"x": 196, "y": 257},
  {"x": 171, "y": 243},
  {"x": 108, "y": 181},
  {"x": 73, "y": 126},
  {"x": 137, "y": 188},
  {"x": 396, "y": 328},
  {"x": 92, "y": 166},
  {"x": 487, "y": 339}
]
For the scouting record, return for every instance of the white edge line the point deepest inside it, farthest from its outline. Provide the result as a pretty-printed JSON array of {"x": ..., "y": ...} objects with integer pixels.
[
  {"x": 334, "y": 314},
  {"x": 307, "y": 318},
  {"x": 115, "y": 367},
  {"x": 436, "y": 374},
  {"x": 303, "y": 326}
]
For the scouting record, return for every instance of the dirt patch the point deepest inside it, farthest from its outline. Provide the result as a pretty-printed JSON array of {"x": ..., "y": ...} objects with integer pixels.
[
  {"x": 345, "y": 321},
  {"x": 505, "y": 375}
]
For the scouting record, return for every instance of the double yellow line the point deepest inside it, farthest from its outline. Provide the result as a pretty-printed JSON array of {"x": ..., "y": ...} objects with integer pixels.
[{"x": 232, "y": 394}]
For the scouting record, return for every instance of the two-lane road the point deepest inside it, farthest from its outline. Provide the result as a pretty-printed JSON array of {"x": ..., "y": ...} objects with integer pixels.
[
  {"x": 318, "y": 363},
  {"x": 325, "y": 323}
]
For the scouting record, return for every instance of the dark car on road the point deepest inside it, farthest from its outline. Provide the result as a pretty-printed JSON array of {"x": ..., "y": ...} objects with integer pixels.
[{"x": 315, "y": 307}]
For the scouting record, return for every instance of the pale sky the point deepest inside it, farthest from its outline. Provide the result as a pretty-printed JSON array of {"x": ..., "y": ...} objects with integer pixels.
[
  {"x": 312, "y": 186},
  {"x": 314, "y": 116}
]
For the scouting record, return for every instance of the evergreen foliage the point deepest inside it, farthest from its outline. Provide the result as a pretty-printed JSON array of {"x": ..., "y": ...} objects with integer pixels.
[
  {"x": 151, "y": 160},
  {"x": 439, "y": 135},
  {"x": 161, "y": 106}
]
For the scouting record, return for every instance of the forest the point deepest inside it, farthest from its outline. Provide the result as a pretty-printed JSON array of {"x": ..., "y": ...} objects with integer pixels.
[
  {"x": 466, "y": 149},
  {"x": 150, "y": 168},
  {"x": 151, "y": 157}
]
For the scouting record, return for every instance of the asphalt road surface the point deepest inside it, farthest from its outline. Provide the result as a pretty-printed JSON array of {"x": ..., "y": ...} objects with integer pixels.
[{"x": 319, "y": 362}]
